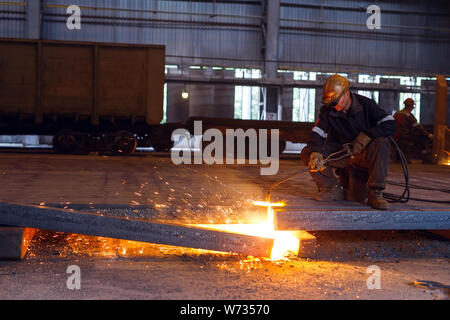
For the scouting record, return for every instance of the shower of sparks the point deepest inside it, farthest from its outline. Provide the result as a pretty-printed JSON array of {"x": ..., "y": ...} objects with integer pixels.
[{"x": 286, "y": 244}]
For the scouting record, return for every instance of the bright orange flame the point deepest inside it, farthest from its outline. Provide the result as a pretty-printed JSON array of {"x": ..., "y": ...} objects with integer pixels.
[
  {"x": 108, "y": 247},
  {"x": 285, "y": 242},
  {"x": 268, "y": 204},
  {"x": 447, "y": 163}
]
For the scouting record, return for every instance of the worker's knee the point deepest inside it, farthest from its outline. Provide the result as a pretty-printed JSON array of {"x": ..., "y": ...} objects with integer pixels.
[
  {"x": 379, "y": 147},
  {"x": 381, "y": 140},
  {"x": 305, "y": 155},
  {"x": 380, "y": 143}
]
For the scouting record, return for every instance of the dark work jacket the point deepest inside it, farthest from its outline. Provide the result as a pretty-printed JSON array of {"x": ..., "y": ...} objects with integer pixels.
[
  {"x": 334, "y": 128},
  {"x": 407, "y": 125}
]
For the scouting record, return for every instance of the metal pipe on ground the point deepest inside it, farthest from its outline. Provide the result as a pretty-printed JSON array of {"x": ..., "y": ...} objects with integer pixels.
[
  {"x": 14, "y": 242},
  {"x": 54, "y": 219},
  {"x": 340, "y": 219}
]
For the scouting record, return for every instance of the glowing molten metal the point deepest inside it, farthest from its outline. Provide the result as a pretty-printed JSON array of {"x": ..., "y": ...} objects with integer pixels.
[{"x": 285, "y": 242}]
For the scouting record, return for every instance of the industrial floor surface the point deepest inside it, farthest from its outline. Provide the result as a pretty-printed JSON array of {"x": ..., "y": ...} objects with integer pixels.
[{"x": 152, "y": 187}]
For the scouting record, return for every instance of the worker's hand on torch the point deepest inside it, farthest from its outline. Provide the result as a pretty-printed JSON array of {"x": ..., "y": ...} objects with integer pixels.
[
  {"x": 360, "y": 143},
  {"x": 316, "y": 162}
]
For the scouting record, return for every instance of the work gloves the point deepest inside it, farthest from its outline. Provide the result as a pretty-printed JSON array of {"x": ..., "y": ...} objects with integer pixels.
[
  {"x": 360, "y": 143},
  {"x": 315, "y": 161}
]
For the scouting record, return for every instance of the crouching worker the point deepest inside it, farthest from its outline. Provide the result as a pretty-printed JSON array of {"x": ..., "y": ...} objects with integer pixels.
[
  {"x": 411, "y": 136},
  {"x": 346, "y": 117}
]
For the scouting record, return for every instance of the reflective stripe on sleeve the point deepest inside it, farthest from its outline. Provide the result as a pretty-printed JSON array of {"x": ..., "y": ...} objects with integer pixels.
[
  {"x": 387, "y": 118},
  {"x": 320, "y": 132}
]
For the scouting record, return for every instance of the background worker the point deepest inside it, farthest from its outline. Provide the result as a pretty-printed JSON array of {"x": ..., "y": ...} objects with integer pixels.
[
  {"x": 346, "y": 117},
  {"x": 413, "y": 139}
]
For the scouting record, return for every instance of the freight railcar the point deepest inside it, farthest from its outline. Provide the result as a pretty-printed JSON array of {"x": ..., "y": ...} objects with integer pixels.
[
  {"x": 89, "y": 96},
  {"x": 98, "y": 97}
]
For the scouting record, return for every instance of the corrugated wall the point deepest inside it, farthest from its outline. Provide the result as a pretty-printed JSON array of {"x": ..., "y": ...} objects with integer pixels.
[
  {"x": 185, "y": 35},
  {"x": 333, "y": 36},
  {"x": 12, "y": 19},
  {"x": 328, "y": 35}
]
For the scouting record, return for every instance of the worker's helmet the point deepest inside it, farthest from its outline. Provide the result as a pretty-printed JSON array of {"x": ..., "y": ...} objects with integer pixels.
[
  {"x": 334, "y": 88},
  {"x": 409, "y": 102}
]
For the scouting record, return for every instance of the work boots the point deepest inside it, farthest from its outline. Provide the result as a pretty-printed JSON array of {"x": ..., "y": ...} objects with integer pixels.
[
  {"x": 330, "y": 194},
  {"x": 376, "y": 200}
]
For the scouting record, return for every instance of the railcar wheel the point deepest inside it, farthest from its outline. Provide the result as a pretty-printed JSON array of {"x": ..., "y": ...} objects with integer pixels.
[
  {"x": 124, "y": 142},
  {"x": 68, "y": 142}
]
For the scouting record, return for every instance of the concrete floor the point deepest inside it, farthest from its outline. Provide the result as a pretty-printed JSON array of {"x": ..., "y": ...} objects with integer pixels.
[{"x": 204, "y": 194}]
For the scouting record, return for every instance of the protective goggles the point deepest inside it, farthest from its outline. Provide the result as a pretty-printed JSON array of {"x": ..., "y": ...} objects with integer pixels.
[{"x": 333, "y": 104}]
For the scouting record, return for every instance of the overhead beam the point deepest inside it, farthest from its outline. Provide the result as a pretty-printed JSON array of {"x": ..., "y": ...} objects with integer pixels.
[
  {"x": 284, "y": 83},
  {"x": 53, "y": 219},
  {"x": 330, "y": 220}
]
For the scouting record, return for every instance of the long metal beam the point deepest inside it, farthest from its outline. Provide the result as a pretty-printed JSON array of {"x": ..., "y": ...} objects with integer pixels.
[
  {"x": 132, "y": 229},
  {"x": 170, "y": 78},
  {"x": 329, "y": 220}
]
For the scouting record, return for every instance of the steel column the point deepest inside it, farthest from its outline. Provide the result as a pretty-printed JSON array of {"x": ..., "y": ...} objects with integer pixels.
[{"x": 33, "y": 18}]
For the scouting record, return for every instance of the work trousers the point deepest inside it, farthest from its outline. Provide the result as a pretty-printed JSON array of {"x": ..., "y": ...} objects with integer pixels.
[{"x": 373, "y": 163}]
